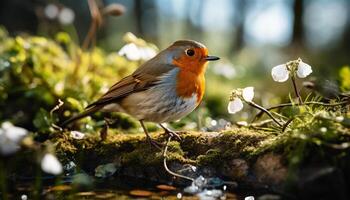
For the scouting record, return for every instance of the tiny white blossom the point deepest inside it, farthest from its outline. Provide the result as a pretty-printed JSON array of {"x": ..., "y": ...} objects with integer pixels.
[
  {"x": 179, "y": 195},
  {"x": 147, "y": 53},
  {"x": 280, "y": 73},
  {"x": 10, "y": 137},
  {"x": 130, "y": 51},
  {"x": 304, "y": 70},
  {"x": 77, "y": 135},
  {"x": 135, "y": 53},
  {"x": 66, "y": 16},
  {"x": 249, "y": 198},
  {"x": 24, "y": 197},
  {"x": 51, "y": 11},
  {"x": 248, "y": 94},
  {"x": 235, "y": 105},
  {"x": 51, "y": 165}
]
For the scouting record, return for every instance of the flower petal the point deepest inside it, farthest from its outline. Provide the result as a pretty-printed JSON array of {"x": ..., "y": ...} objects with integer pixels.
[
  {"x": 235, "y": 106},
  {"x": 7, "y": 147},
  {"x": 147, "y": 53},
  {"x": 13, "y": 133},
  {"x": 51, "y": 165},
  {"x": 280, "y": 73},
  {"x": 304, "y": 70},
  {"x": 248, "y": 93},
  {"x": 131, "y": 51},
  {"x": 77, "y": 135}
]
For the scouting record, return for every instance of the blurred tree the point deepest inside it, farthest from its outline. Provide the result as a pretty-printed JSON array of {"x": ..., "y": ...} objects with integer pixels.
[
  {"x": 238, "y": 19},
  {"x": 194, "y": 15},
  {"x": 19, "y": 16},
  {"x": 346, "y": 36},
  {"x": 146, "y": 19},
  {"x": 298, "y": 30}
]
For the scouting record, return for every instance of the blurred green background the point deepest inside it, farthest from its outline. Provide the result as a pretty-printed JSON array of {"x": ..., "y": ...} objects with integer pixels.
[{"x": 251, "y": 37}]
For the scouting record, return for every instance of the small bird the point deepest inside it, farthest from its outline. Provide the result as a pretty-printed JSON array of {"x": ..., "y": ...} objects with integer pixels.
[{"x": 165, "y": 88}]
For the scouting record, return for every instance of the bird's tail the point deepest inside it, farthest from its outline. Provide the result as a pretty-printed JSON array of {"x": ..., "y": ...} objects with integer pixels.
[{"x": 87, "y": 112}]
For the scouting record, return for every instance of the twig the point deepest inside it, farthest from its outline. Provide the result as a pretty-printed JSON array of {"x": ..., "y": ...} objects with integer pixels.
[
  {"x": 305, "y": 103},
  {"x": 286, "y": 124},
  {"x": 58, "y": 106},
  {"x": 96, "y": 21},
  {"x": 60, "y": 103},
  {"x": 296, "y": 90},
  {"x": 166, "y": 166},
  {"x": 265, "y": 111}
]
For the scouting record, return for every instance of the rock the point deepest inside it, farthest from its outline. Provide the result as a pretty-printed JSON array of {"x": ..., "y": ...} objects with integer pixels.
[
  {"x": 269, "y": 169},
  {"x": 103, "y": 171},
  {"x": 236, "y": 169},
  {"x": 269, "y": 197},
  {"x": 186, "y": 169},
  {"x": 210, "y": 194},
  {"x": 322, "y": 183}
]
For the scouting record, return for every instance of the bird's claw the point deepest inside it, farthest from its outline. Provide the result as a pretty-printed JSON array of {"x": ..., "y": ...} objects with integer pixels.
[
  {"x": 154, "y": 143},
  {"x": 173, "y": 134}
]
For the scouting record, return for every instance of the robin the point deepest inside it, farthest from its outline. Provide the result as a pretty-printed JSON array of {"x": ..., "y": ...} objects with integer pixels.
[{"x": 165, "y": 88}]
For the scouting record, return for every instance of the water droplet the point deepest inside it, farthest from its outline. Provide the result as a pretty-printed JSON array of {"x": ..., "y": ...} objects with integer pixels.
[
  {"x": 24, "y": 197},
  {"x": 179, "y": 195}
]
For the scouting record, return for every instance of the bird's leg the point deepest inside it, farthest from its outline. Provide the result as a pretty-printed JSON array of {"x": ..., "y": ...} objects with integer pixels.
[
  {"x": 170, "y": 132},
  {"x": 150, "y": 140}
]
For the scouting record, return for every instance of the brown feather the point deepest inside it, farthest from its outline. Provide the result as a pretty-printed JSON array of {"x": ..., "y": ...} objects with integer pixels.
[{"x": 144, "y": 77}]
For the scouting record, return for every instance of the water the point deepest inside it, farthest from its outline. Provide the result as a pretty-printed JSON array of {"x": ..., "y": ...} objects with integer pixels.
[{"x": 124, "y": 188}]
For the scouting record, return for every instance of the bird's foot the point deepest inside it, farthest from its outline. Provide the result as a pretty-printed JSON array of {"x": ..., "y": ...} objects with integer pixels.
[
  {"x": 154, "y": 143},
  {"x": 172, "y": 134}
]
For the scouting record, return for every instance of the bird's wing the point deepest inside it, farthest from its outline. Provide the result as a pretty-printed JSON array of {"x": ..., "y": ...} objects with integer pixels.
[{"x": 143, "y": 78}]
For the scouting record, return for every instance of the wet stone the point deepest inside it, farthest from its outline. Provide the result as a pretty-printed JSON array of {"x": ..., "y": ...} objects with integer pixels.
[{"x": 140, "y": 193}]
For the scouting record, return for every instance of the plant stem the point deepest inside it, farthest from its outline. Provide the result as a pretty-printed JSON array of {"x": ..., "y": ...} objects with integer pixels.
[
  {"x": 305, "y": 103},
  {"x": 296, "y": 90},
  {"x": 166, "y": 166},
  {"x": 265, "y": 111}
]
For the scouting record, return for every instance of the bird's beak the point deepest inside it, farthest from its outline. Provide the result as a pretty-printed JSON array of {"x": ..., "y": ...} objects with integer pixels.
[{"x": 211, "y": 58}]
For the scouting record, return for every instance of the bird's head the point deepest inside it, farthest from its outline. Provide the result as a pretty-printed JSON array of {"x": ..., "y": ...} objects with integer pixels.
[{"x": 189, "y": 55}]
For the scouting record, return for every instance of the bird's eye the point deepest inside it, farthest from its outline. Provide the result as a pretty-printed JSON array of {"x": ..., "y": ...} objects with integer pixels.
[{"x": 190, "y": 52}]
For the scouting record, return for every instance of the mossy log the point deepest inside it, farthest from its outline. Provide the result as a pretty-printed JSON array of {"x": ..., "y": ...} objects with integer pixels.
[
  {"x": 234, "y": 155},
  {"x": 253, "y": 158}
]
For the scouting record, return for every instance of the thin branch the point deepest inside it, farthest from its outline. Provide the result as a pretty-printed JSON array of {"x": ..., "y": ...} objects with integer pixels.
[
  {"x": 96, "y": 21},
  {"x": 305, "y": 103},
  {"x": 166, "y": 166},
  {"x": 265, "y": 111},
  {"x": 296, "y": 90},
  {"x": 286, "y": 124}
]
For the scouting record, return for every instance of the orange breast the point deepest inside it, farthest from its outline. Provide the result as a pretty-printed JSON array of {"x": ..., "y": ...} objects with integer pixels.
[{"x": 189, "y": 83}]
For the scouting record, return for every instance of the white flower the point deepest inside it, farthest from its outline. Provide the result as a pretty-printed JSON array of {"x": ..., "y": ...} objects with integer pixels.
[
  {"x": 147, "y": 53},
  {"x": 280, "y": 73},
  {"x": 24, "y": 197},
  {"x": 249, "y": 198},
  {"x": 135, "y": 53},
  {"x": 77, "y": 135},
  {"x": 304, "y": 70},
  {"x": 66, "y": 16},
  {"x": 10, "y": 137},
  {"x": 248, "y": 94},
  {"x": 50, "y": 164},
  {"x": 235, "y": 105},
  {"x": 51, "y": 11},
  {"x": 130, "y": 51}
]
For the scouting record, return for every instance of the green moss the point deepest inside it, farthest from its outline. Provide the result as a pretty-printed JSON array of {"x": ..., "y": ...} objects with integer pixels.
[{"x": 310, "y": 135}]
